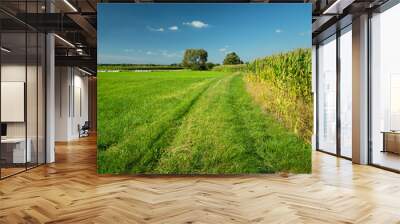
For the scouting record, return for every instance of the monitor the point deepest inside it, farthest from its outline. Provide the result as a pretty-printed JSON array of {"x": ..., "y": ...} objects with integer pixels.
[{"x": 3, "y": 129}]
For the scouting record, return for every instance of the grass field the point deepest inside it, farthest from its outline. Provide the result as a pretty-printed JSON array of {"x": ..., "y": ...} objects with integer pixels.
[{"x": 187, "y": 122}]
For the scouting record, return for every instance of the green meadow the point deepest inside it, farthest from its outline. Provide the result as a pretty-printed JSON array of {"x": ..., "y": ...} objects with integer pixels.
[{"x": 190, "y": 122}]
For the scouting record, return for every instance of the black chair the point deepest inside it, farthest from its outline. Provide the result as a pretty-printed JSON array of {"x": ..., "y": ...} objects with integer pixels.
[{"x": 84, "y": 130}]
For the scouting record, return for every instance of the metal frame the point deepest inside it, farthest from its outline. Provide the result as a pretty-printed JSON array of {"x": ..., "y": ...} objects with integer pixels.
[
  {"x": 337, "y": 34},
  {"x": 389, "y": 4},
  {"x": 338, "y": 75}
]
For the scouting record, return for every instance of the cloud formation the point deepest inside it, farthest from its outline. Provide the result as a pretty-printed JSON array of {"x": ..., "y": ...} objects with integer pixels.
[
  {"x": 174, "y": 28},
  {"x": 278, "y": 31},
  {"x": 169, "y": 54},
  {"x": 196, "y": 24},
  {"x": 225, "y": 49},
  {"x": 155, "y": 29}
]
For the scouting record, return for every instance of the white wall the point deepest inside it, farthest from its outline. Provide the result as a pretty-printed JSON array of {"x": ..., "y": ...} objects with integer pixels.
[{"x": 70, "y": 83}]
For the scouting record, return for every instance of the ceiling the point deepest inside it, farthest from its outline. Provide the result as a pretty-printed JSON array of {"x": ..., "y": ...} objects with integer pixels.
[{"x": 75, "y": 21}]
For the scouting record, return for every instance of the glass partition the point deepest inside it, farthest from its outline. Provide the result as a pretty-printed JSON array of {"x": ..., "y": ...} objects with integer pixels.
[
  {"x": 385, "y": 89},
  {"x": 32, "y": 95},
  {"x": 327, "y": 95},
  {"x": 22, "y": 78},
  {"x": 14, "y": 153}
]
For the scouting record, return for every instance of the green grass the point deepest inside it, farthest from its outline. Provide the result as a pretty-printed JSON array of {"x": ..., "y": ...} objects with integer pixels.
[{"x": 187, "y": 122}]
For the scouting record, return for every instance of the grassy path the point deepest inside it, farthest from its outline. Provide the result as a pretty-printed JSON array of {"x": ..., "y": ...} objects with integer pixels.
[{"x": 190, "y": 122}]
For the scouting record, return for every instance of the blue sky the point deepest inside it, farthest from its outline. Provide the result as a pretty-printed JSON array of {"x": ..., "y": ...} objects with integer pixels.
[{"x": 159, "y": 33}]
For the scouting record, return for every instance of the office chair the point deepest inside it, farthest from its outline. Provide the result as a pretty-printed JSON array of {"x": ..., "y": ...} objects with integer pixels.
[{"x": 84, "y": 130}]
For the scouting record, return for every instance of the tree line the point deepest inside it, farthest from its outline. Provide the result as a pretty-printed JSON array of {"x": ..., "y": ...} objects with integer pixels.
[{"x": 196, "y": 59}]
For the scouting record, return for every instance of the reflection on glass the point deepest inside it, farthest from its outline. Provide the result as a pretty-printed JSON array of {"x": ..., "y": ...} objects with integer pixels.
[
  {"x": 385, "y": 95},
  {"x": 346, "y": 93},
  {"x": 31, "y": 101},
  {"x": 327, "y": 95},
  {"x": 15, "y": 151},
  {"x": 41, "y": 98}
]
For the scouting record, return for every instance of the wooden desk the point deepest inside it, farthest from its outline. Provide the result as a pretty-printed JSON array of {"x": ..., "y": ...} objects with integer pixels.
[{"x": 391, "y": 141}]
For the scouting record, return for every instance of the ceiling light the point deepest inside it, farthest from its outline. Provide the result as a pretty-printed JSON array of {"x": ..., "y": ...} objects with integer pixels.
[
  {"x": 337, "y": 7},
  {"x": 65, "y": 41},
  {"x": 5, "y": 50},
  {"x": 70, "y": 5}
]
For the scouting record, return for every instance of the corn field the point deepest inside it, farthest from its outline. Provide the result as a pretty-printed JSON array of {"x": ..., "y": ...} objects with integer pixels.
[{"x": 282, "y": 84}]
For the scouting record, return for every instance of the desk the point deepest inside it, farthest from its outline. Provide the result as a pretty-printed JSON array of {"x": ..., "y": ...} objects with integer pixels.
[
  {"x": 13, "y": 150},
  {"x": 391, "y": 141}
]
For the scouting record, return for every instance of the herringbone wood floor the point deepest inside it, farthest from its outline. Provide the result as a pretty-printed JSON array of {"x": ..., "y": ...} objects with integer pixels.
[{"x": 70, "y": 191}]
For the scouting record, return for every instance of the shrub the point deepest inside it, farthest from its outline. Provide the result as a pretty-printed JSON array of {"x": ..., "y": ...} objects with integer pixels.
[{"x": 231, "y": 68}]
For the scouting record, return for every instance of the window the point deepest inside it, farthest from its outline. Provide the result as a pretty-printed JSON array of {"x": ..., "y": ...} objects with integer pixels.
[
  {"x": 327, "y": 95},
  {"x": 346, "y": 92},
  {"x": 385, "y": 89}
]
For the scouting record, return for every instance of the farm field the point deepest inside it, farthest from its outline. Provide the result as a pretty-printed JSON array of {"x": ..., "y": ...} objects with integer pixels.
[{"x": 190, "y": 122}]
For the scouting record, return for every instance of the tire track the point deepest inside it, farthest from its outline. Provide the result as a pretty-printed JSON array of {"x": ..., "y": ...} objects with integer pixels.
[{"x": 154, "y": 150}]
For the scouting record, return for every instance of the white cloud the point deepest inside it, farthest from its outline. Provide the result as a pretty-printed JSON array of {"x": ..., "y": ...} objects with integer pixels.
[
  {"x": 278, "y": 31},
  {"x": 131, "y": 50},
  {"x": 304, "y": 33},
  {"x": 196, "y": 24},
  {"x": 150, "y": 53},
  {"x": 169, "y": 54},
  {"x": 173, "y": 28},
  {"x": 225, "y": 49},
  {"x": 155, "y": 29}
]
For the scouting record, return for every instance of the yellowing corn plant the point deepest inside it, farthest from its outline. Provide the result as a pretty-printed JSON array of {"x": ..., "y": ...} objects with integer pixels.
[{"x": 281, "y": 83}]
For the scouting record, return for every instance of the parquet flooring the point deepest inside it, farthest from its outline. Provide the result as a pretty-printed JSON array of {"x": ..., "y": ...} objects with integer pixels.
[{"x": 70, "y": 191}]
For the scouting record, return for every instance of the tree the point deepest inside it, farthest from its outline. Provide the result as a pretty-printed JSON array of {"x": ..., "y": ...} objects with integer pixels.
[
  {"x": 232, "y": 59},
  {"x": 210, "y": 65},
  {"x": 195, "y": 59}
]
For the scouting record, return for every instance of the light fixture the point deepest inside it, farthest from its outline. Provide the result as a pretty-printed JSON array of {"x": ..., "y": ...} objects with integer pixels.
[
  {"x": 70, "y": 5},
  {"x": 86, "y": 72},
  {"x": 64, "y": 40},
  {"x": 5, "y": 50},
  {"x": 337, "y": 7}
]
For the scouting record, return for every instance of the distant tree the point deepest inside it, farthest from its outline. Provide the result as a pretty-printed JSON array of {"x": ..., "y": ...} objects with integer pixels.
[
  {"x": 210, "y": 65},
  {"x": 195, "y": 59},
  {"x": 232, "y": 59}
]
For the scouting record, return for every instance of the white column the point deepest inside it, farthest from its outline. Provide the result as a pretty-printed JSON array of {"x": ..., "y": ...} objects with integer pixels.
[
  {"x": 50, "y": 99},
  {"x": 360, "y": 90}
]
